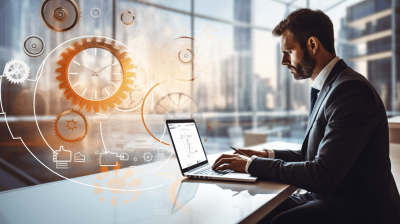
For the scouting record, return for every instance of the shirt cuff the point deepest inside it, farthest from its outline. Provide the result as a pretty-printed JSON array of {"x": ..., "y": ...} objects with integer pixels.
[
  {"x": 249, "y": 160},
  {"x": 271, "y": 153}
]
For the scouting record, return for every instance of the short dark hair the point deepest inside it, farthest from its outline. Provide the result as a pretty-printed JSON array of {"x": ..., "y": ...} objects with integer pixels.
[{"x": 304, "y": 23}]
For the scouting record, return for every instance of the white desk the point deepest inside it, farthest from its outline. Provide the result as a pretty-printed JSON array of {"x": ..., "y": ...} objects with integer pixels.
[{"x": 178, "y": 200}]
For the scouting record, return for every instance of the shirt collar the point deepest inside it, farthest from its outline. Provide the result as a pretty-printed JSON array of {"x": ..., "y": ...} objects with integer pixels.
[{"x": 323, "y": 75}]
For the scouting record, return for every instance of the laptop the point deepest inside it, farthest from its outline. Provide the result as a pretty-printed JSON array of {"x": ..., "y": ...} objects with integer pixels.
[{"x": 192, "y": 157}]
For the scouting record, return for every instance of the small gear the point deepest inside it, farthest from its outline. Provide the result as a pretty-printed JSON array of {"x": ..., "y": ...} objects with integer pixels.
[
  {"x": 147, "y": 156},
  {"x": 127, "y": 18},
  {"x": 60, "y": 16},
  {"x": 71, "y": 125},
  {"x": 61, "y": 131},
  {"x": 34, "y": 46},
  {"x": 16, "y": 71}
]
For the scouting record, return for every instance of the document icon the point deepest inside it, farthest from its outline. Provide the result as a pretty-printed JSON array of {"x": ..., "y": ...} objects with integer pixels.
[
  {"x": 108, "y": 159},
  {"x": 160, "y": 209},
  {"x": 78, "y": 157},
  {"x": 160, "y": 152}
]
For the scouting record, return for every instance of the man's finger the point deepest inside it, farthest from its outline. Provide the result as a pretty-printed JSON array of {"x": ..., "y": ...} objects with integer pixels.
[
  {"x": 222, "y": 161},
  {"x": 225, "y": 156},
  {"x": 224, "y": 167}
]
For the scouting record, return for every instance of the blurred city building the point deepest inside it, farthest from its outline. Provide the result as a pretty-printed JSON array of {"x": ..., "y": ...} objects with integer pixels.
[{"x": 369, "y": 43}]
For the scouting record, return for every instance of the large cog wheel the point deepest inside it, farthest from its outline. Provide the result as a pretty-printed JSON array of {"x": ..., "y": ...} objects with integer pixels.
[
  {"x": 69, "y": 92},
  {"x": 57, "y": 127},
  {"x": 16, "y": 71}
]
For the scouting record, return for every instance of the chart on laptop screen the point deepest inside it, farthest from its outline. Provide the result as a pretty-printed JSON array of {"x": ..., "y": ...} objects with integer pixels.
[{"x": 187, "y": 144}]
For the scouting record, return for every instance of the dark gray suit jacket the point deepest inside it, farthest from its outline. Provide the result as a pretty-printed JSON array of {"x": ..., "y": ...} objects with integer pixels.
[{"x": 344, "y": 158}]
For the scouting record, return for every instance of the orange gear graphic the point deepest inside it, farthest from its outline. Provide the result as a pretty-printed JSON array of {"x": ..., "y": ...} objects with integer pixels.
[
  {"x": 73, "y": 125},
  {"x": 67, "y": 140},
  {"x": 69, "y": 93}
]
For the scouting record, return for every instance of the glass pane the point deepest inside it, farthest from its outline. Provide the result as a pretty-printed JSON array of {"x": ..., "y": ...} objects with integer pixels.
[
  {"x": 222, "y": 67},
  {"x": 223, "y": 9},
  {"x": 183, "y": 5}
]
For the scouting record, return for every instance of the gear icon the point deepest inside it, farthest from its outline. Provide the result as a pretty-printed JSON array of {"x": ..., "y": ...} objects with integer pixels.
[
  {"x": 69, "y": 92},
  {"x": 70, "y": 116},
  {"x": 147, "y": 156},
  {"x": 71, "y": 125},
  {"x": 60, "y": 16},
  {"x": 16, "y": 71}
]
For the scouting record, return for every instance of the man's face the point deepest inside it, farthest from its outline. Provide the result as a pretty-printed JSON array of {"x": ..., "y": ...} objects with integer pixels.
[{"x": 299, "y": 62}]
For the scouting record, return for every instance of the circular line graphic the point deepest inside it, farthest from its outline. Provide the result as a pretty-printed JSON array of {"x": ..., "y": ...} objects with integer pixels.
[
  {"x": 62, "y": 18},
  {"x": 184, "y": 54},
  {"x": 34, "y": 46},
  {"x": 40, "y": 72},
  {"x": 60, "y": 14},
  {"x": 185, "y": 58},
  {"x": 70, "y": 92},
  {"x": 38, "y": 75},
  {"x": 57, "y": 131},
  {"x": 144, "y": 123},
  {"x": 93, "y": 11},
  {"x": 127, "y": 18}
]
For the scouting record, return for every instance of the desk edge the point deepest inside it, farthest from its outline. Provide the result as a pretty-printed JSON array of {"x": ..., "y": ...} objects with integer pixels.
[{"x": 269, "y": 206}]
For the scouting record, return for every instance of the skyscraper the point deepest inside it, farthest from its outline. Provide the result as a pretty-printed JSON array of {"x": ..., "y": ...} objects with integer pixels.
[
  {"x": 375, "y": 52},
  {"x": 242, "y": 45}
]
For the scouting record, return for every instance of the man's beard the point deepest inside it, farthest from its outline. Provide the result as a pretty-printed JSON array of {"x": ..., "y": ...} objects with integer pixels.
[{"x": 305, "y": 68}]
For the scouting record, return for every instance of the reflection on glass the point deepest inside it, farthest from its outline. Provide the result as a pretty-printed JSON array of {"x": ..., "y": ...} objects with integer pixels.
[{"x": 186, "y": 192}]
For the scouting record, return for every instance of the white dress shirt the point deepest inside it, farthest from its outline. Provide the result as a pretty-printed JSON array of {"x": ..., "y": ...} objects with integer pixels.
[
  {"x": 317, "y": 84},
  {"x": 321, "y": 77}
]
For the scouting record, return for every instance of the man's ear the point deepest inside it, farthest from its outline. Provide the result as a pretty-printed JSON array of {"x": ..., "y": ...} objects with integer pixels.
[{"x": 313, "y": 45}]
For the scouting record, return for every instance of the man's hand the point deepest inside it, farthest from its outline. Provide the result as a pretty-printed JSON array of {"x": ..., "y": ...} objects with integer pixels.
[
  {"x": 233, "y": 162},
  {"x": 249, "y": 152}
]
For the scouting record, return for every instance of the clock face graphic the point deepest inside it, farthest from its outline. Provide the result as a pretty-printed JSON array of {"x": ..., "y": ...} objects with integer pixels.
[{"x": 95, "y": 74}]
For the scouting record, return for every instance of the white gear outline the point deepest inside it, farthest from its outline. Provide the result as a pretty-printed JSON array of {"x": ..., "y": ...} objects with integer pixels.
[
  {"x": 16, "y": 71},
  {"x": 147, "y": 153}
]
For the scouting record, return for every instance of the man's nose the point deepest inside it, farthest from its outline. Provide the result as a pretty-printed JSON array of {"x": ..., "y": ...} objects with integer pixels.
[{"x": 285, "y": 61}]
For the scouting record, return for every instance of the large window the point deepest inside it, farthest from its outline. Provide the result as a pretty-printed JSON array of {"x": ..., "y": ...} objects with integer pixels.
[{"x": 236, "y": 86}]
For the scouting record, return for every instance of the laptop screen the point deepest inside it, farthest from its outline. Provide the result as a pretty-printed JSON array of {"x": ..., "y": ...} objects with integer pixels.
[{"x": 188, "y": 147}]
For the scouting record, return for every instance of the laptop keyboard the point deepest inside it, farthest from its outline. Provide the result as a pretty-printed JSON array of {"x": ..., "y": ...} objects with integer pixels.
[{"x": 209, "y": 171}]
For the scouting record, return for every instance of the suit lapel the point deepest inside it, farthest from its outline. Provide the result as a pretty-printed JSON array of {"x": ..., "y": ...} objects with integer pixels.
[{"x": 340, "y": 65}]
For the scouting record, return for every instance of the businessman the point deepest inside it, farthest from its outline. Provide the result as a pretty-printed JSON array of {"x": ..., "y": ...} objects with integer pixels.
[{"x": 344, "y": 159}]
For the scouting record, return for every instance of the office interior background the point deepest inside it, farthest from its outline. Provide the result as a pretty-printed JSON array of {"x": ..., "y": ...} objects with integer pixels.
[{"x": 239, "y": 86}]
